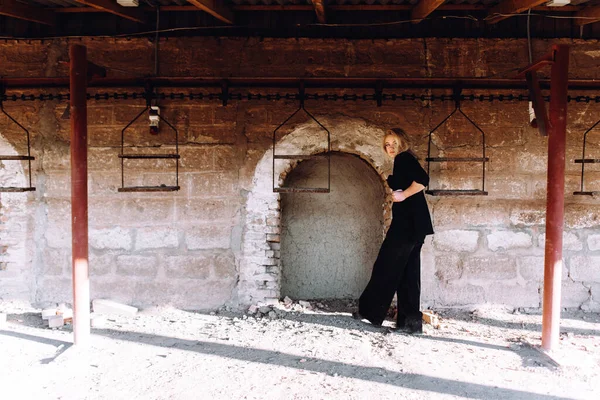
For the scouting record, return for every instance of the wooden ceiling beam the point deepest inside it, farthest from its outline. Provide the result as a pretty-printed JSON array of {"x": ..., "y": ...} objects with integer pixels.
[
  {"x": 319, "y": 6},
  {"x": 507, "y": 8},
  {"x": 444, "y": 7},
  {"x": 14, "y": 9},
  {"x": 216, "y": 8},
  {"x": 423, "y": 9},
  {"x": 112, "y": 7},
  {"x": 588, "y": 15}
]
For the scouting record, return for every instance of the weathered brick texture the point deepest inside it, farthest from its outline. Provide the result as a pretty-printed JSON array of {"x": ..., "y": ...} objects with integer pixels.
[{"x": 218, "y": 240}]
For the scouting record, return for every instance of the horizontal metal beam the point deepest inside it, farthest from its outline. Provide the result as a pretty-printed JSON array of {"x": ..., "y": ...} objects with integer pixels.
[
  {"x": 294, "y": 82},
  {"x": 309, "y": 8}
]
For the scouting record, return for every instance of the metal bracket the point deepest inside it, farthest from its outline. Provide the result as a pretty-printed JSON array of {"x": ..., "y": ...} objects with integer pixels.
[
  {"x": 326, "y": 155},
  {"x": 584, "y": 161},
  {"x": 27, "y": 158},
  {"x": 224, "y": 92},
  {"x": 456, "y": 94},
  {"x": 170, "y": 156},
  {"x": 379, "y": 92}
]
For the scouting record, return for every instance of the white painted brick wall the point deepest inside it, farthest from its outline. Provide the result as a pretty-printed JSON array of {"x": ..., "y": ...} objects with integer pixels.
[
  {"x": 111, "y": 238},
  {"x": 570, "y": 241},
  {"x": 585, "y": 268},
  {"x": 456, "y": 240},
  {"x": 508, "y": 240},
  {"x": 156, "y": 238}
]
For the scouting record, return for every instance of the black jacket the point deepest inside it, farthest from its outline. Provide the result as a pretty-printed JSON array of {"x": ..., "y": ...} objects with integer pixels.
[{"x": 411, "y": 220}]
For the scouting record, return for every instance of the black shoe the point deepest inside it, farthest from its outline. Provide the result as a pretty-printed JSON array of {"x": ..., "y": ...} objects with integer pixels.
[
  {"x": 401, "y": 322},
  {"x": 414, "y": 325},
  {"x": 357, "y": 315}
]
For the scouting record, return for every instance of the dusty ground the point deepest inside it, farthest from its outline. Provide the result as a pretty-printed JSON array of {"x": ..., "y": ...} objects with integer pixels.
[{"x": 304, "y": 354}]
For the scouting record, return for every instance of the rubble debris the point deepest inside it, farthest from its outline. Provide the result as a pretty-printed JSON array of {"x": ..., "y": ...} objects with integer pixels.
[
  {"x": 430, "y": 318},
  {"x": 102, "y": 306},
  {"x": 55, "y": 321}
]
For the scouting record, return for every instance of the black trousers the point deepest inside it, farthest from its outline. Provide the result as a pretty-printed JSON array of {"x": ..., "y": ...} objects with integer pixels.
[{"x": 396, "y": 270}]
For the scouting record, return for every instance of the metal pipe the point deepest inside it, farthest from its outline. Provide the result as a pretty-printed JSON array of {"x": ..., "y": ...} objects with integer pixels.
[
  {"x": 555, "y": 202},
  {"x": 293, "y": 82},
  {"x": 79, "y": 194}
]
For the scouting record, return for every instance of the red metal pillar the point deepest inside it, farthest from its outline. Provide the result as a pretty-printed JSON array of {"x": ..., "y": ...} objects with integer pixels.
[
  {"x": 79, "y": 194},
  {"x": 555, "y": 202}
]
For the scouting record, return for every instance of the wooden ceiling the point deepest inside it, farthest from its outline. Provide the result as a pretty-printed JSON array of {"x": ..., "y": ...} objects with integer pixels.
[{"x": 312, "y": 18}]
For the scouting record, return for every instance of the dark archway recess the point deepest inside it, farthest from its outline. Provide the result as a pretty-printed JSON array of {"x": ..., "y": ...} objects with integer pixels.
[{"x": 330, "y": 241}]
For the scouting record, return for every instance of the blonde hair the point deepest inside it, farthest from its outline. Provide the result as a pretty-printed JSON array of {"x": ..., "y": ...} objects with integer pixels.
[{"x": 400, "y": 136}]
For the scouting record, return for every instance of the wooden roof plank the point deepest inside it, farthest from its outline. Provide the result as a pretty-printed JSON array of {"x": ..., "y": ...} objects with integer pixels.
[
  {"x": 423, "y": 9},
  {"x": 588, "y": 15},
  {"x": 112, "y": 7},
  {"x": 14, "y": 9},
  {"x": 215, "y": 8},
  {"x": 508, "y": 7}
]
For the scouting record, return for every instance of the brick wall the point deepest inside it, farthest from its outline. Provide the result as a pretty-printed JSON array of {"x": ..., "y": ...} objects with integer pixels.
[{"x": 217, "y": 241}]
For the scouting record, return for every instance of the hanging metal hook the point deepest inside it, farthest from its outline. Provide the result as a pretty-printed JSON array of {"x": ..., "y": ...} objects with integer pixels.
[{"x": 301, "y": 93}]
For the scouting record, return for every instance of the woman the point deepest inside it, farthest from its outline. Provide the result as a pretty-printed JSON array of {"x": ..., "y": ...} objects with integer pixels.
[{"x": 398, "y": 265}]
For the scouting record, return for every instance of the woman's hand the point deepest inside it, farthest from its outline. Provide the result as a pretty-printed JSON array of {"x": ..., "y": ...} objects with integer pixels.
[{"x": 398, "y": 196}]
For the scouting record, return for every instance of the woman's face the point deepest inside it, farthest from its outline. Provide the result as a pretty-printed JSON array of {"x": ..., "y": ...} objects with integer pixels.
[{"x": 391, "y": 146}]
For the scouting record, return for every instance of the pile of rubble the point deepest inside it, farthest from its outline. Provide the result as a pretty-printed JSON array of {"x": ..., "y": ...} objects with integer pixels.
[
  {"x": 278, "y": 309},
  {"x": 56, "y": 317}
]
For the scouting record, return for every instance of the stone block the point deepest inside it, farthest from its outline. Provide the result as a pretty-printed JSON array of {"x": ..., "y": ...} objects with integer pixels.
[
  {"x": 456, "y": 240},
  {"x": 54, "y": 290},
  {"x": 156, "y": 238},
  {"x": 104, "y": 184},
  {"x": 584, "y": 268},
  {"x": 101, "y": 264},
  {"x": 571, "y": 241},
  {"x": 197, "y": 158},
  {"x": 491, "y": 213},
  {"x": 223, "y": 267},
  {"x": 208, "y": 237},
  {"x": 212, "y": 185},
  {"x": 57, "y": 185},
  {"x": 457, "y": 294},
  {"x": 147, "y": 211},
  {"x": 55, "y": 261},
  {"x": 195, "y": 266},
  {"x": 574, "y": 294},
  {"x": 492, "y": 267},
  {"x": 104, "y": 159},
  {"x": 447, "y": 214},
  {"x": 55, "y": 321},
  {"x": 513, "y": 295},
  {"x": 509, "y": 187},
  {"x": 524, "y": 215},
  {"x": 531, "y": 268},
  {"x": 507, "y": 240},
  {"x": 595, "y": 292},
  {"x": 448, "y": 267},
  {"x": 530, "y": 161},
  {"x": 137, "y": 265},
  {"x": 593, "y": 242},
  {"x": 202, "y": 210},
  {"x": 111, "y": 239},
  {"x": 581, "y": 216}
]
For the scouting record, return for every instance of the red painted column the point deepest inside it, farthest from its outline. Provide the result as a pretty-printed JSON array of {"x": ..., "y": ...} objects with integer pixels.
[
  {"x": 555, "y": 201},
  {"x": 79, "y": 194}
]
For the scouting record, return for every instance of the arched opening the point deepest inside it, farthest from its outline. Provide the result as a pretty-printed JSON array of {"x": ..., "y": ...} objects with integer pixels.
[{"x": 330, "y": 241}]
